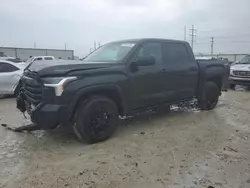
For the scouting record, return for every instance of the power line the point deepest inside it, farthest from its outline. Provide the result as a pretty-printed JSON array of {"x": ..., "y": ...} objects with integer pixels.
[
  {"x": 192, "y": 35},
  {"x": 212, "y": 45}
]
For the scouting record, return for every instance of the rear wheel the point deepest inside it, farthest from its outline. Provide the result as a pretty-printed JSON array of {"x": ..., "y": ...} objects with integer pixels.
[
  {"x": 96, "y": 119},
  {"x": 210, "y": 96}
]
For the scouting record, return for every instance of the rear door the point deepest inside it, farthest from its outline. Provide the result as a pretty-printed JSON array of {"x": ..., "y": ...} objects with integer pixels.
[
  {"x": 9, "y": 77},
  {"x": 181, "y": 70}
]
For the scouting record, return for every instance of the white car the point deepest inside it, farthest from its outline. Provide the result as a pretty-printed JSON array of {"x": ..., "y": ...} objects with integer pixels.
[
  {"x": 240, "y": 73},
  {"x": 10, "y": 74},
  {"x": 39, "y": 58}
]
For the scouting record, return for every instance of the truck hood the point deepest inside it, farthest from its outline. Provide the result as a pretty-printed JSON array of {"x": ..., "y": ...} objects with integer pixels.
[
  {"x": 241, "y": 67},
  {"x": 63, "y": 67}
]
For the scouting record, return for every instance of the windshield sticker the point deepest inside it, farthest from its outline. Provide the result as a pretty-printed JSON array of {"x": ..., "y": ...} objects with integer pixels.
[{"x": 128, "y": 45}]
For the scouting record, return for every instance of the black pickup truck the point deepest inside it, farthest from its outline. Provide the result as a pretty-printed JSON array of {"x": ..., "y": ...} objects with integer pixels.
[{"x": 117, "y": 79}]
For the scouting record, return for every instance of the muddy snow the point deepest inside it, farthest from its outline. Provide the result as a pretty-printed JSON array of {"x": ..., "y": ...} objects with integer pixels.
[{"x": 183, "y": 148}]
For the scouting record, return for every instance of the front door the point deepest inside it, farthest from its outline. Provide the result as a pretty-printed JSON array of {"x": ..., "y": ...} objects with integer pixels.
[{"x": 146, "y": 80}]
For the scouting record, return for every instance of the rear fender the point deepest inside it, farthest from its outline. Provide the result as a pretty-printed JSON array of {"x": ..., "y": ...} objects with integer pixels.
[{"x": 212, "y": 73}]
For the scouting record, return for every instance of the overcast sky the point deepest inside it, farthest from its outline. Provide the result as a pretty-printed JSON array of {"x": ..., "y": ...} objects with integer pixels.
[{"x": 51, "y": 23}]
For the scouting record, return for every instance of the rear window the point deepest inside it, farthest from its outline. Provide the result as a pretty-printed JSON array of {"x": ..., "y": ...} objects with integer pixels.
[
  {"x": 48, "y": 58},
  {"x": 175, "y": 53}
]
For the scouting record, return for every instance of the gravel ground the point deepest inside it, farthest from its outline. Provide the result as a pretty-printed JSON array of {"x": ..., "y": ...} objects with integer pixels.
[{"x": 184, "y": 148}]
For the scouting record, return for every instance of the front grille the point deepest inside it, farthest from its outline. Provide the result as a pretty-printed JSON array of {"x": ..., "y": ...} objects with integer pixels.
[
  {"x": 242, "y": 73},
  {"x": 32, "y": 87}
]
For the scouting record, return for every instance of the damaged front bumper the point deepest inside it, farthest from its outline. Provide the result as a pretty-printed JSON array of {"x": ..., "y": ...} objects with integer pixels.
[
  {"x": 47, "y": 116},
  {"x": 40, "y": 102}
]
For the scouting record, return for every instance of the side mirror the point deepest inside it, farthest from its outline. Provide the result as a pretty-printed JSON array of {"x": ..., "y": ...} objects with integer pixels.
[{"x": 145, "y": 61}]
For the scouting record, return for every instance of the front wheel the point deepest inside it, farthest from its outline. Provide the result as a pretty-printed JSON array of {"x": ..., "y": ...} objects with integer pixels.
[
  {"x": 96, "y": 119},
  {"x": 210, "y": 96}
]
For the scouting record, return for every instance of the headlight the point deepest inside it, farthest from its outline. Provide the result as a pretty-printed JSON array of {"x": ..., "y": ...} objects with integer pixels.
[
  {"x": 58, "y": 83},
  {"x": 52, "y": 80}
]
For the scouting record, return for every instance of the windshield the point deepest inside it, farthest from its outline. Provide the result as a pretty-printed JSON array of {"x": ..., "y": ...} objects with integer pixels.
[
  {"x": 112, "y": 52},
  {"x": 245, "y": 60}
]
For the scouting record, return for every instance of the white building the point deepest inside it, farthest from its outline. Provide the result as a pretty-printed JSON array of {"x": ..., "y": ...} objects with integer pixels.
[{"x": 25, "y": 53}]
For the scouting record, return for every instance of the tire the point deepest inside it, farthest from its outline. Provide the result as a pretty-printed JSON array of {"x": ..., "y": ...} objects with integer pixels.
[
  {"x": 96, "y": 119},
  {"x": 2, "y": 96},
  {"x": 210, "y": 96},
  {"x": 232, "y": 86}
]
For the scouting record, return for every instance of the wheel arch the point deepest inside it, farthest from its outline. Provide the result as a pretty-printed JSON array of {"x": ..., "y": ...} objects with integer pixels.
[
  {"x": 218, "y": 80},
  {"x": 112, "y": 92}
]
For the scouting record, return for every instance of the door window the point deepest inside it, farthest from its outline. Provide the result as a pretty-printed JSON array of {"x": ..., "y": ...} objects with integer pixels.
[
  {"x": 175, "y": 53},
  {"x": 151, "y": 49},
  {"x": 6, "y": 67},
  {"x": 38, "y": 59}
]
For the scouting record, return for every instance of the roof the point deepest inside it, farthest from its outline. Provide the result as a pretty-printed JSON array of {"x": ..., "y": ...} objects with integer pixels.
[{"x": 149, "y": 39}]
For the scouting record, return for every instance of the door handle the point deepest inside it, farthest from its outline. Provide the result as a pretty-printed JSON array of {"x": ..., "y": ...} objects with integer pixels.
[{"x": 193, "y": 69}]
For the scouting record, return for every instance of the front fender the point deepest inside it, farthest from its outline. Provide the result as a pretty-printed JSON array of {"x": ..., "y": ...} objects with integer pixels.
[{"x": 86, "y": 91}]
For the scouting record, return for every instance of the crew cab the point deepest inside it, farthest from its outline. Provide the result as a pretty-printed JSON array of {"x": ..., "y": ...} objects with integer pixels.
[
  {"x": 240, "y": 73},
  {"x": 118, "y": 79}
]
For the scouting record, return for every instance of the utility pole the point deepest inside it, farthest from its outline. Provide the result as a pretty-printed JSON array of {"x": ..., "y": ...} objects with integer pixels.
[
  {"x": 212, "y": 45},
  {"x": 34, "y": 44},
  {"x": 65, "y": 46},
  {"x": 99, "y": 44},
  {"x": 94, "y": 45},
  {"x": 193, "y": 35},
  {"x": 185, "y": 33}
]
